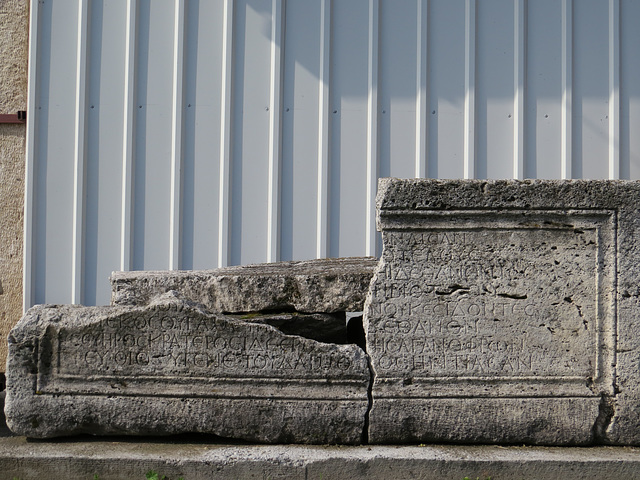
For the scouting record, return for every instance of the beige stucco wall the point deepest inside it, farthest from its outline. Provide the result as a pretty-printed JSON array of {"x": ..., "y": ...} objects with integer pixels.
[{"x": 14, "y": 31}]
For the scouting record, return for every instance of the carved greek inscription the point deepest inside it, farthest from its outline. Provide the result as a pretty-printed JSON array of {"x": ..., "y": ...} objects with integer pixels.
[
  {"x": 486, "y": 302},
  {"x": 185, "y": 343}
]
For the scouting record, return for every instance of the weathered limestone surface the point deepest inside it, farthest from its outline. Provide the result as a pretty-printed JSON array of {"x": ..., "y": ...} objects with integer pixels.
[
  {"x": 172, "y": 367},
  {"x": 327, "y": 285},
  {"x": 506, "y": 312}
]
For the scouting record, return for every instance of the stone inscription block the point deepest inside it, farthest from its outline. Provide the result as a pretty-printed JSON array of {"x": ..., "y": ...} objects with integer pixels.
[
  {"x": 171, "y": 367},
  {"x": 494, "y": 313},
  {"x": 326, "y": 285},
  {"x": 494, "y": 299}
]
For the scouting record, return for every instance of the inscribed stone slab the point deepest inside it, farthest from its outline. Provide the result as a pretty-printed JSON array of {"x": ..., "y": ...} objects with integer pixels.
[
  {"x": 172, "y": 367},
  {"x": 506, "y": 312},
  {"x": 325, "y": 285}
]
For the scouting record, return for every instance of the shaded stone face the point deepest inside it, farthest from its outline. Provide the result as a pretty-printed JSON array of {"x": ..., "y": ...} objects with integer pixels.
[
  {"x": 323, "y": 327},
  {"x": 492, "y": 314},
  {"x": 171, "y": 367}
]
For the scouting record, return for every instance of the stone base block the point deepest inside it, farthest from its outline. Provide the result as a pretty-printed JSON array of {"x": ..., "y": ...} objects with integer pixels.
[{"x": 532, "y": 421}]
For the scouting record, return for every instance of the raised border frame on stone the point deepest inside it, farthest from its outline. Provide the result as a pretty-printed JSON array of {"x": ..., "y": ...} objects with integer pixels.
[{"x": 599, "y": 405}]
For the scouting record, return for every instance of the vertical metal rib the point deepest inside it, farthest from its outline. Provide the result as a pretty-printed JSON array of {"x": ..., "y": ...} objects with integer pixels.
[
  {"x": 614, "y": 89},
  {"x": 79, "y": 154},
  {"x": 322, "y": 213},
  {"x": 422, "y": 93},
  {"x": 372, "y": 127},
  {"x": 224, "y": 200},
  {"x": 126, "y": 231},
  {"x": 275, "y": 130},
  {"x": 519, "y": 75},
  {"x": 566, "y": 137},
  {"x": 177, "y": 125},
  {"x": 30, "y": 159},
  {"x": 470, "y": 90}
]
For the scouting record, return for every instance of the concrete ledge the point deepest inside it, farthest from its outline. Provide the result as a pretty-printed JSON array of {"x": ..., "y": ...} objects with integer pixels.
[{"x": 130, "y": 460}]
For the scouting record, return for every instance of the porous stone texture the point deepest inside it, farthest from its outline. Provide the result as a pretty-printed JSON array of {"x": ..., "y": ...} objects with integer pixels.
[
  {"x": 14, "y": 30},
  {"x": 506, "y": 312},
  {"x": 172, "y": 367},
  {"x": 326, "y": 285}
]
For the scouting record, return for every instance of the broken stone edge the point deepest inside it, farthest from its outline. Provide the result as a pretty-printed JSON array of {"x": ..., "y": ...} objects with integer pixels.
[
  {"x": 337, "y": 420},
  {"x": 311, "y": 286}
]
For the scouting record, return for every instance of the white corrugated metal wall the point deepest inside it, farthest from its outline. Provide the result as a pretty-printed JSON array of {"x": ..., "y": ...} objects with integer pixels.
[{"x": 198, "y": 133}]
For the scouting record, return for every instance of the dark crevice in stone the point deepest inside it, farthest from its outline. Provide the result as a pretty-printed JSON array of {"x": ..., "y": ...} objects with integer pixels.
[
  {"x": 355, "y": 332},
  {"x": 267, "y": 311},
  {"x": 452, "y": 289},
  {"x": 339, "y": 328},
  {"x": 365, "y": 429},
  {"x": 513, "y": 296},
  {"x": 321, "y": 327},
  {"x": 606, "y": 412},
  {"x": 178, "y": 438}
]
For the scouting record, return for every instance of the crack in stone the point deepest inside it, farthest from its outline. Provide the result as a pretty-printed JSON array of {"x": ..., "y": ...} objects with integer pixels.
[
  {"x": 452, "y": 289},
  {"x": 606, "y": 412},
  {"x": 513, "y": 296},
  {"x": 365, "y": 428}
]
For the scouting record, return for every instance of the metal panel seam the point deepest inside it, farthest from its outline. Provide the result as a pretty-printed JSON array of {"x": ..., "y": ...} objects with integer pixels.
[
  {"x": 77, "y": 258},
  {"x": 372, "y": 126},
  {"x": 126, "y": 229},
  {"x": 322, "y": 212},
  {"x": 614, "y": 89},
  {"x": 566, "y": 140},
  {"x": 275, "y": 129},
  {"x": 469, "y": 133},
  {"x": 28, "y": 276},
  {"x": 177, "y": 126},
  {"x": 224, "y": 204},
  {"x": 422, "y": 92},
  {"x": 519, "y": 78}
]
